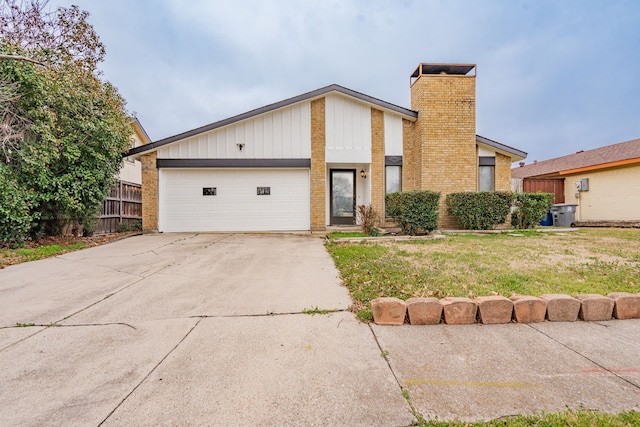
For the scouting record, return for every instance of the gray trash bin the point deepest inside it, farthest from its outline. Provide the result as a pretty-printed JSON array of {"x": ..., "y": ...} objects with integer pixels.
[{"x": 564, "y": 214}]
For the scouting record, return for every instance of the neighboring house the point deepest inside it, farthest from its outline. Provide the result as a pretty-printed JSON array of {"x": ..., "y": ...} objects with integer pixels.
[
  {"x": 306, "y": 162},
  {"x": 604, "y": 182},
  {"x": 131, "y": 170},
  {"x": 124, "y": 202}
]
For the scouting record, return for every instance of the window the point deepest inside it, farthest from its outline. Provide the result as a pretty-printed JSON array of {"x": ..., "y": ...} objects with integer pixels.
[
  {"x": 486, "y": 173},
  {"x": 393, "y": 179}
]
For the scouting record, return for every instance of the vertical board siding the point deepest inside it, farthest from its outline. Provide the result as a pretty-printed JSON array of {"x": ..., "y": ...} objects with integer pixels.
[
  {"x": 392, "y": 135},
  {"x": 280, "y": 134},
  {"x": 554, "y": 186},
  {"x": 348, "y": 130}
]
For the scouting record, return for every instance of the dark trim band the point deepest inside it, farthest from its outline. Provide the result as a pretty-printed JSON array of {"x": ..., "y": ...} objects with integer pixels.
[
  {"x": 486, "y": 161},
  {"x": 393, "y": 160},
  {"x": 233, "y": 163}
]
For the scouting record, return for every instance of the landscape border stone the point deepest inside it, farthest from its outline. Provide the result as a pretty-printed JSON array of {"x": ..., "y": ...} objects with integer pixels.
[
  {"x": 498, "y": 309},
  {"x": 595, "y": 307},
  {"x": 528, "y": 309}
]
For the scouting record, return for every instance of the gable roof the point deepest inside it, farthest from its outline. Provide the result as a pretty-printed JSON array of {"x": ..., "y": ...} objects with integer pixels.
[
  {"x": 599, "y": 158},
  {"x": 405, "y": 112},
  {"x": 409, "y": 114},
  {"x": 505, "y": 149}
]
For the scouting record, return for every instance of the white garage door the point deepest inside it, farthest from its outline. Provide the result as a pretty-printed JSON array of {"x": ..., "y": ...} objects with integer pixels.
[{"x": 228, "y": 200}]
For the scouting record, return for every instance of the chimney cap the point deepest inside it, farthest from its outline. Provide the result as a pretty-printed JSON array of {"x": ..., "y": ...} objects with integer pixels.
[{"x": 454, "y": 69}]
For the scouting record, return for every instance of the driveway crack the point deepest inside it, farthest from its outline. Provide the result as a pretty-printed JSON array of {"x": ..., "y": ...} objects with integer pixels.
[
  {"x": 405, "y": 393},
  {"x": 150, "y": 372},
  {"x": 604, "y": 368}
]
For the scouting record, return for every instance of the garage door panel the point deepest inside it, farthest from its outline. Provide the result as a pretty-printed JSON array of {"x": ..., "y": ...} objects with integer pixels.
[{"x": 236, "y": 205}]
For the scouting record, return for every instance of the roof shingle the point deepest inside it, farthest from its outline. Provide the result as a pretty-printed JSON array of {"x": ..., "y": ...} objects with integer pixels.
[{"x": 598, "y": 156}]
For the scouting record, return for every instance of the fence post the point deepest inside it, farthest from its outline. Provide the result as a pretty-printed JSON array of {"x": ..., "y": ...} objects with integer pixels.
[{"x": 121, "y": 197}]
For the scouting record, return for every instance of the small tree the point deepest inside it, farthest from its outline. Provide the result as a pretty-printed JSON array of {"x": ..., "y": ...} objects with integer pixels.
[
  {"x": 530, "y": 208},
  {"x": 65, "y": 129}
]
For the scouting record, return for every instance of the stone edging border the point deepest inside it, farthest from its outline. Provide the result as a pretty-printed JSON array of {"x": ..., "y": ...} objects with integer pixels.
[{"x": 499, "y": 309}]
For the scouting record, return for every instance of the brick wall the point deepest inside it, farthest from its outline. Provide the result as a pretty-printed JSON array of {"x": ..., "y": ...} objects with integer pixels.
[
  {"x": 318, "y": 169},
  {"x": 503, "y": 173},
  {"x": 377, "y": 172},
  {"x": 410, "y": 157},
  {"x": 149, "y": 193},
  {"x": 445, "y": 135}
]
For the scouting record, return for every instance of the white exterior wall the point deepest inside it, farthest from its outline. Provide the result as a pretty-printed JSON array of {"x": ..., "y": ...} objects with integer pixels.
[
  {"x": 483, "y": 152},
  {"x": 131, "y": 171},
  {"x": 392, "y": 135},
  {"x": 280, "y": 134},
  {"x": 348, "y": 130},
  {"x": 614, "y": 195}
]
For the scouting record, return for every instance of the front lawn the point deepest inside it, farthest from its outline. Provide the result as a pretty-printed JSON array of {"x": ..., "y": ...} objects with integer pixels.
[
  {"x": 528, "y": 263},
  {"x": 52, "y": 246},
  {"x": 562, "y": 419}
]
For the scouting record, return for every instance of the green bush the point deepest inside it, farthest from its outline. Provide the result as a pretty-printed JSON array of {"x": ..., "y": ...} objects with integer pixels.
[
  {"x": 415, "y": 211},
  {"x": 530, "y": 208},
  {"x": 16, "y": 218},
  {"x": 479, "y": 211}
]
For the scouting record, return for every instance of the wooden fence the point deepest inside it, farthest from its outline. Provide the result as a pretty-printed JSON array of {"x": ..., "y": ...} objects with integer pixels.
[{"x": 122, "y": 209}]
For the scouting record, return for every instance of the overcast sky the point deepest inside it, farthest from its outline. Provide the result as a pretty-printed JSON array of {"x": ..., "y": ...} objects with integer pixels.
[{"x": 553, "y": 76}]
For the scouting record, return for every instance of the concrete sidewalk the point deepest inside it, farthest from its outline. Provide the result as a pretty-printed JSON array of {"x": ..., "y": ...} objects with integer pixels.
[{"x": 211, "y": 329}]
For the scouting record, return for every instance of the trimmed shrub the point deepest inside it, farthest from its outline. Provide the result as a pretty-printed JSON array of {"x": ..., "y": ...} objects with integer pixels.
[
  {"x": 415, "y": 211},
  {"x": 479, "y": 211},
  {"x": 530, "y": 208}
]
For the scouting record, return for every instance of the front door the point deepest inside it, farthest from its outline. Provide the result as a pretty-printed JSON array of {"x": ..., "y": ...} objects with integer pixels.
[{"x": 343, "y": 196}]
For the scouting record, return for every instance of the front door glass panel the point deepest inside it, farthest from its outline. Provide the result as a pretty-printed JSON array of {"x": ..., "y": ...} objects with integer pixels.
[{"x": 343, "y": 193}]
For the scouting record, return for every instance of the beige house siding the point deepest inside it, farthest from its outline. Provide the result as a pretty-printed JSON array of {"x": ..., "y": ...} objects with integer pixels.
[{"x": 614, "y": 194}]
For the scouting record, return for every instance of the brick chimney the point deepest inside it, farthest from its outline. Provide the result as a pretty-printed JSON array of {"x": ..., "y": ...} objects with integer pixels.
[{"x": 445, "y": 133}]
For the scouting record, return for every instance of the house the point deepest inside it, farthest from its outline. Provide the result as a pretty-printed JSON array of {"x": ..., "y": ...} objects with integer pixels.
[
  {"x": 604, "y": 182},
  {"x": 131, "y": 170},
  {"x": 306, "y": 162}
]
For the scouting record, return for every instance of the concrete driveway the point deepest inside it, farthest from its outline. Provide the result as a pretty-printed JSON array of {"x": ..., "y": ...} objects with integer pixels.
[
  {"x": 189, "y": 329},
  {"x": 209, "y": 329}
]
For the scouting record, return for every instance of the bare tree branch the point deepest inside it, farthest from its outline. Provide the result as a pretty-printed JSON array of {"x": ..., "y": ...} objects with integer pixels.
[
  {"x": 21, "y": 58},
  {"x": 13, "y": 125}
]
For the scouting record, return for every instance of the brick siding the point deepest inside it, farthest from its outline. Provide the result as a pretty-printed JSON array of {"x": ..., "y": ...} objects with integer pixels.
[
  {"x": 377, "y": 172},
  {"x": 318, "y": 169},
  {"x": 149, "y": 193}
]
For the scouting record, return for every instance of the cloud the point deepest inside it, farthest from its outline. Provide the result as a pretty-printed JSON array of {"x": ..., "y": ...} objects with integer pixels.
[{"x": 553, "y": 77}]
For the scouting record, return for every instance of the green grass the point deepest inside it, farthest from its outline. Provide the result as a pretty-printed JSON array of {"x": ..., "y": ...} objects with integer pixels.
[
  {"x": 562, "y": 419},
  {"x": 589, "y": 261},
  {"x": 16, "y": 256},
  {"x": 343, "y": 234},
  {"x": 316, "y": 310}
]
